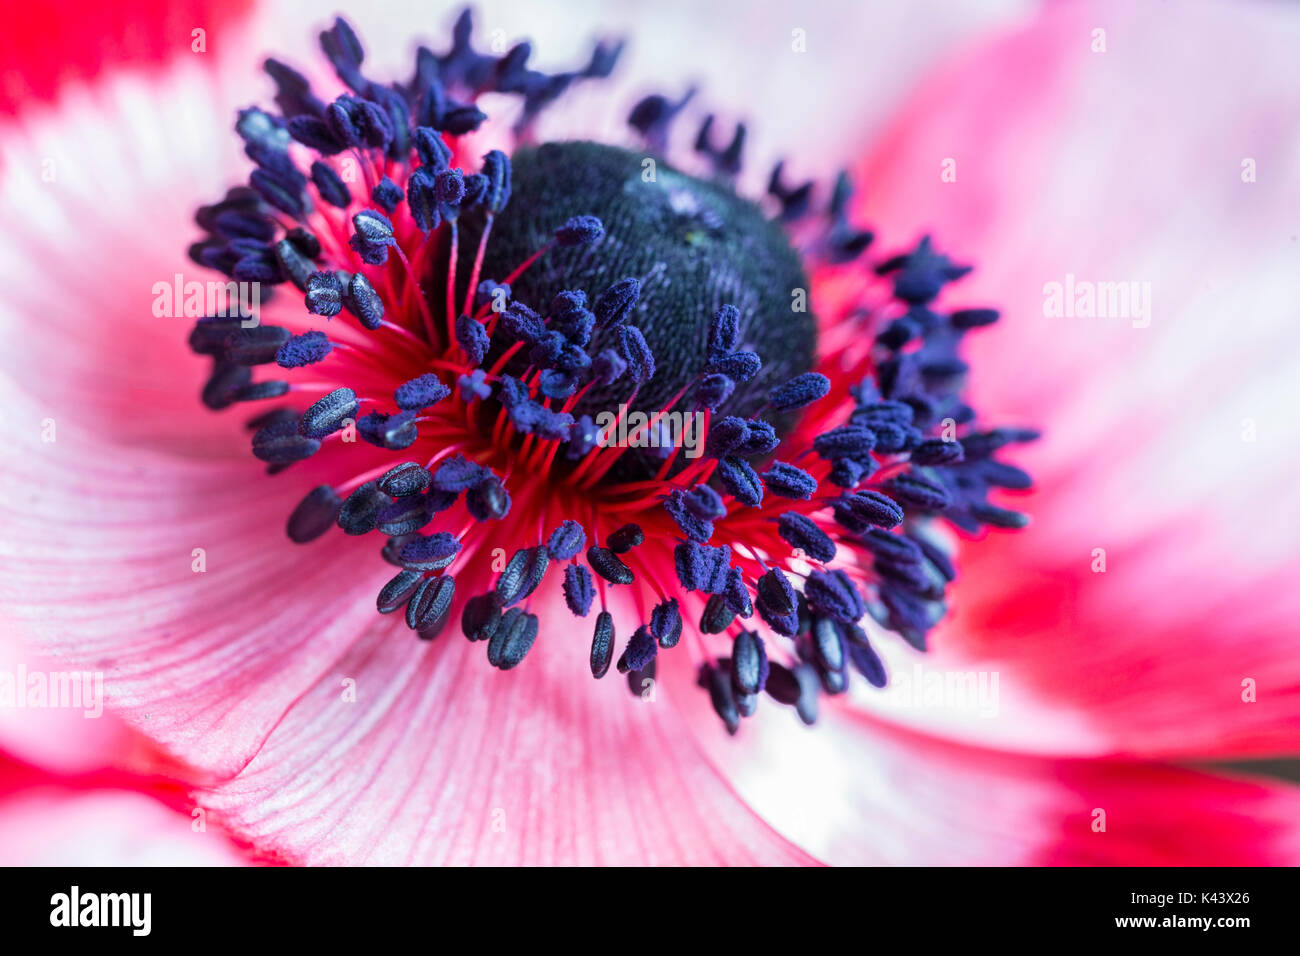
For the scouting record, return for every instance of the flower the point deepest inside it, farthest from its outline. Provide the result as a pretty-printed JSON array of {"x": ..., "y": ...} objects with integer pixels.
[{"x": 245, "y": 672}]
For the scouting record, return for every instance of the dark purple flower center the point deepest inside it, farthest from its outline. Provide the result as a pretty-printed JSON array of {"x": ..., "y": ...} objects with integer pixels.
[{"x": 694, "y": 246}]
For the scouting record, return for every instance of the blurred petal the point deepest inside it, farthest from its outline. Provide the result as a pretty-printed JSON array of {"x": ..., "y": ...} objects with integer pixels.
[
  {"x": 105, "y": 191},
  {"x": 787, "y": 71},
  {"x": 65, "y": 739},
  {"x": 47, "y": 47},
  {"x": 1172, "y": 447},
  {"x": 103, "y": 819},
  {"x": 854, "y": 791},
  {"x": 105, "y": 517}
]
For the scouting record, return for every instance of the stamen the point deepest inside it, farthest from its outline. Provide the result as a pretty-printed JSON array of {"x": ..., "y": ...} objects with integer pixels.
[{"x": 487, "y": 395}]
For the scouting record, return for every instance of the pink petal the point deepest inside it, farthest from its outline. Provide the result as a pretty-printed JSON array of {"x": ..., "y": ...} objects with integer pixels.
[
  {"x": 103, "y": 819},
  {"x": 443, "y": 760},
  {"x": 79, "y": 277},
  {"x": 65, "y": 739},
  {"x": 103, "y": 828},
  {"x": 1116, "y": 166},
  {"x": 855, "y": 791},
  {"x": 795, "y": 111}
]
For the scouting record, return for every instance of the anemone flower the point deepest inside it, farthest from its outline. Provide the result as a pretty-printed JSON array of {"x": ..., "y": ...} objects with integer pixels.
[{"x": 601, "y": 510}]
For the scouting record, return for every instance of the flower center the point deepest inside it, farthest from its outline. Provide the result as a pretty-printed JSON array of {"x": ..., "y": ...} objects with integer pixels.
[
  {"x": 468, "y": 338},
  {"x": 694, "y": 245}
]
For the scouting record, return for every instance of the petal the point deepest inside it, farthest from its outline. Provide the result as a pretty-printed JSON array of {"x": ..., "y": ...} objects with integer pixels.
[
  {"x": 106, "y": 188},
  {"x": 65, "y": 739},
  {"x": 46, "y": 48},
  {"x": 854, "y": 791},
  {"x": 1169, "y": 439},
  {"x": 428, "y": 755},
  {"x": 728, "y": 52},
  {"x": 102, "y": 821},
  {"x": 203, "y": 660}
]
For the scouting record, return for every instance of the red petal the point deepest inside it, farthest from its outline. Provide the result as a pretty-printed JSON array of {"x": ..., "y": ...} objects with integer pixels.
[
  {"x": 853, "y": 791},
  {"x": 46, "y": 46}
]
